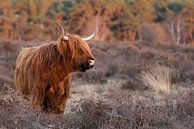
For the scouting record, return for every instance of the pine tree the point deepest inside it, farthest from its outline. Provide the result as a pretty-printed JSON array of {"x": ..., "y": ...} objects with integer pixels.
[
  {"x": 143, "y": 13},
  {"x": 7, "y": 18},
  {"x": 187, "y": 14},
  {"x": 87, "y": 14}
]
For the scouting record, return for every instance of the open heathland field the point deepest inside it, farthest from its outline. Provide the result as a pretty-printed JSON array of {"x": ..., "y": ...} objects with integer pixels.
[{"x": 148, "y": 86}]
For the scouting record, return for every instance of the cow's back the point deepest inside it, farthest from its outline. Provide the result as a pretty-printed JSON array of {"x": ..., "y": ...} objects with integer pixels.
[{"x": 21, "y": 77}]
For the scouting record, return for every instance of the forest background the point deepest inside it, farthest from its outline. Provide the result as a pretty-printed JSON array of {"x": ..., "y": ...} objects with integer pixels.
[{"x": 118, "y": 20}]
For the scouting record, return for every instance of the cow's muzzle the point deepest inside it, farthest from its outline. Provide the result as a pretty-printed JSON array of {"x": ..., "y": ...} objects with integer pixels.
[{"x": 87, "y": 65}]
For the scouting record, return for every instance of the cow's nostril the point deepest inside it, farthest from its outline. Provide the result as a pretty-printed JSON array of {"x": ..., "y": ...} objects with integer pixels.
[
  {"x": 91, "y": 62},
  {"x": 87, "y": 65}
]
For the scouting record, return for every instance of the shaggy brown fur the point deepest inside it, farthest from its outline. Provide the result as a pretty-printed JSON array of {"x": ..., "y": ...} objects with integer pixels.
[{"x": 44, "y": 72}]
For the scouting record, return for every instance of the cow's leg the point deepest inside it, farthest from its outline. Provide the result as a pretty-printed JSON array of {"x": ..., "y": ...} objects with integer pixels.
[{"x": 64, "y": 92}]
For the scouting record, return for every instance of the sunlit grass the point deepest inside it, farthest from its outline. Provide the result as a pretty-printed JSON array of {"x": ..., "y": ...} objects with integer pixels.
[{"x": 158, "y": 78}]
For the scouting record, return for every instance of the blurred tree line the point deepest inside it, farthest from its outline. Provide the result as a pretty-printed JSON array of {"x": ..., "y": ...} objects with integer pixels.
[{"x": 116, "y": 19}]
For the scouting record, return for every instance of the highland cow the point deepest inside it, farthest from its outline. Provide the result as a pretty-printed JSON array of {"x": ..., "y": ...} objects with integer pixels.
[{"x": 44, "y": 72}]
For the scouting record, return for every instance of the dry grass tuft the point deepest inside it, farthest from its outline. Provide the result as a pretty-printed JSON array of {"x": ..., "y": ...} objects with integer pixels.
[{"x": 158, "y": 78}]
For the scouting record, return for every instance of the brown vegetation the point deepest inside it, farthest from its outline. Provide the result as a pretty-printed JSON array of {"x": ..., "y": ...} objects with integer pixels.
[
  {"x": 118, "y": 20},
  {"x": 114, "y": 96}
]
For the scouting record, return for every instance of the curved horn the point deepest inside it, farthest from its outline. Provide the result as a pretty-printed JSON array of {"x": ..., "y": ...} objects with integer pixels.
[
  {"x": 63, "y": 32},
  {"x": 91, "y": 36},
  {"x": 65, "y": 37}
]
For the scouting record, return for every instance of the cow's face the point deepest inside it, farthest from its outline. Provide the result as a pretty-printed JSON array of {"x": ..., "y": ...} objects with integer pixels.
[
  {"x": 82, "y": 59},
  {"x": 76, "y": 52}
]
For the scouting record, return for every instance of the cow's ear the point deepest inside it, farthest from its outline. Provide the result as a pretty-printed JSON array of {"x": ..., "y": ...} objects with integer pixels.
[{"x": 62, "y": 45}]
